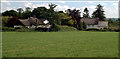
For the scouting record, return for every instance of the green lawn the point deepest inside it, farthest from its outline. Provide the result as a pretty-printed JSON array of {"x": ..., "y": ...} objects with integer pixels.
[{"x": 60, "y": 44}]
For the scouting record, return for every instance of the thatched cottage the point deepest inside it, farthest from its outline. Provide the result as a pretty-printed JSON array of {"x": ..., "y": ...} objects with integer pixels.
[
  {"x": 94, "y": 23},
  {"x": 32, "y": 22}
]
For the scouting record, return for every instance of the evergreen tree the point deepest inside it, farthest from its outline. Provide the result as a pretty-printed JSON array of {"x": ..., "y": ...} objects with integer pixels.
[
  {"x": 86, "y": 13},
  {"x": 99, "y": 13},
  {"x": 84, "y": 25}
]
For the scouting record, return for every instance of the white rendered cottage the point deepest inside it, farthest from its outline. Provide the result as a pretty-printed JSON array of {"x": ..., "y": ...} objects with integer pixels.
[{"x": 94, "y": 23}]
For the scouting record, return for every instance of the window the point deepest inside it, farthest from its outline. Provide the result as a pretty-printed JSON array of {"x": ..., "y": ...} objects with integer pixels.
[{"x": 88, "y": 25}]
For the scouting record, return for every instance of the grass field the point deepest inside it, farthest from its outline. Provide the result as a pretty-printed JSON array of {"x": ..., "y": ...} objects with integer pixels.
[{"x": 60, "y": 44}]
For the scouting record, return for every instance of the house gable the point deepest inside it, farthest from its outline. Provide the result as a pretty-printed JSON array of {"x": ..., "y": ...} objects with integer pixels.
[{"x": 103, "y": 23}]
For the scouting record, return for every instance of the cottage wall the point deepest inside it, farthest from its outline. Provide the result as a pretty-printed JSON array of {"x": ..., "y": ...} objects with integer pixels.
[
  {"x": 15, "y": 26},
  {"x": 92, "y": 26},
  {"x": 103, "y": 23}
]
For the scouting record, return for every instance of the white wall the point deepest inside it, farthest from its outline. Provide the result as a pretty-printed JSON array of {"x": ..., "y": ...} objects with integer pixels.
[
  {"x": 17, "y": 26},
  {"x": 32, "y": 26},
  {"x": 92, "y": 26}
]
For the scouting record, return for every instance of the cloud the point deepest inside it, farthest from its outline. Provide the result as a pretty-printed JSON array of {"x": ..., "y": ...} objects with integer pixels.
[
  {"x": 110, "y": 10},
  {"x": 90, "y": 2},
  {"x": 103, "y": 3},
  {"x": 58, "y": 7},
  {"x": 91, "y": 8},
  {"x": 32, "y": 6},
  {"x": 8, "y": 8},
  {"x": 61, "y": 8},
  {"x": 115, "y": 4},
  {"x": 111, "y": 13},
  {"x": 6, "y": 2},
  {"x": 61, "y": 1}
]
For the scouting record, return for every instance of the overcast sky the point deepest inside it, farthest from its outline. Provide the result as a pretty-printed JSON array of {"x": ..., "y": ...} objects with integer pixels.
[{"x": 110, "y": 7}]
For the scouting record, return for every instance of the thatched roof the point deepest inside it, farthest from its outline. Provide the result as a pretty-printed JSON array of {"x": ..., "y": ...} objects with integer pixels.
[
  {"x": 25, "y": 22},
  {"x": 90, "y": 21},
  {"x": 33, "y": 21},
  {"x": 41, "y": 20}
]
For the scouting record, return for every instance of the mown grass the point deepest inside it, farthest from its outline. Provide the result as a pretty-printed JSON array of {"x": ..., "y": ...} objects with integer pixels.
[{"x": 60, "y": 44}]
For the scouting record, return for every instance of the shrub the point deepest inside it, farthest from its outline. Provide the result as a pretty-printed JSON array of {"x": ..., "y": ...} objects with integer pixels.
[
  {"x": 54, "y": 27},
  {"x": 113, "y": 29},
  {"x": 41, "y": 29},
  {"x": 5, "y": 20},
  {"x": 70, "y": 22},
  {"x": 25, "y": 30},
  {"x": 92, "y": 29},
  {"x": 7, "y": 29},
  {"x": 67, "y": 28}
]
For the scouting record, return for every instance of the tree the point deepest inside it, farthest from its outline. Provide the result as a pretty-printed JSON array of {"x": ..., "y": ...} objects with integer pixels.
[
  {"x": 12, "y": 21},
  {"x": 84, "y": 26},
  {"x": 53, "y": 14},
  {"x": 40, "y": 12},
  {"x": 86, "y": 13},
  {"x": 64, "y": 18},
  {"x": 81, "y": 26},
  {"x": 26, "y": 14},
  {"x": 20, "y": 10},
  {"x": 52, "y": 6},
  {"x": 75, "y": 14},
  {"x": 50, "y": 14},
  {"x": 28, "y": 9},
  {"x": 99, "y": 13},
  {"x": 10, "y": 13},
  {"x": 5, "y": 20}
]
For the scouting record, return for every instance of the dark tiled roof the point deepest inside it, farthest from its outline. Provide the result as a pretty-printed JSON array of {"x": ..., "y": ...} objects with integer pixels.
[{"x": 90, "y": 21}]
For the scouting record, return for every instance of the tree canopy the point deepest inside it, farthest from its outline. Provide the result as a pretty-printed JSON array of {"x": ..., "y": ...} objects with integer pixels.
[
  {"x": 75, "y": 14},
  {"x": 86, "y": 13},
  {"x": 99, "y": 13},
  {"x": 71, "y": 17},
  {"x": 10, "y": 13}
]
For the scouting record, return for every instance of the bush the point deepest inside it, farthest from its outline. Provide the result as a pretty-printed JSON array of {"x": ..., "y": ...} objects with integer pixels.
[
  {"x": 5, "y": 20},
  {"x": 92, "y": 29},
  {"x": 54, "y": 27},
  {"x": 70, "y": 22},
  {"x": 67, "y": 28},
  {"x": 114, "y": 29},
  {"x": 7, "y": 29},
  {"x": 41, "y": 29},
  {"x": 25, "y": 30}
]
